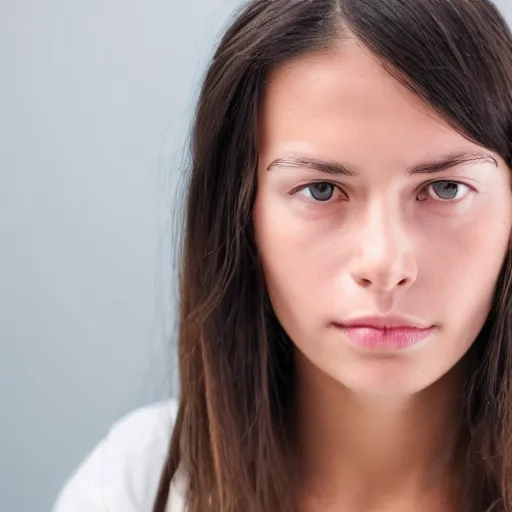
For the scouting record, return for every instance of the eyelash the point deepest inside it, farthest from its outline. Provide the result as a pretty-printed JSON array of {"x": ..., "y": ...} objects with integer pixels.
[{"x": 423, "y": 190}]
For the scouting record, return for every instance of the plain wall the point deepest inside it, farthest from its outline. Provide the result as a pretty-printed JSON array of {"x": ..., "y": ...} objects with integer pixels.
[{"x": 96, "y": 100}]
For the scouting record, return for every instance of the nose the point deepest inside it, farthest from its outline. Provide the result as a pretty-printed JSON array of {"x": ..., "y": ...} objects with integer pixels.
[{"x": 384, "y": 258}]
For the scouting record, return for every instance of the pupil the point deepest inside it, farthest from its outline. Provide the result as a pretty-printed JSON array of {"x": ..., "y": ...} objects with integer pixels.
[
  {"x": 322, "y": 191},
  {"x": 446, "y": 190}
]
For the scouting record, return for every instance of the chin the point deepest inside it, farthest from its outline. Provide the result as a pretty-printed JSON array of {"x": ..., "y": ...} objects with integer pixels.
[{"x": 386, "y": 378}]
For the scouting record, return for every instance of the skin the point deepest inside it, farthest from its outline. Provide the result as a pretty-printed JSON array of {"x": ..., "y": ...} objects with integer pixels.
[{"x": 375, "y": 429}]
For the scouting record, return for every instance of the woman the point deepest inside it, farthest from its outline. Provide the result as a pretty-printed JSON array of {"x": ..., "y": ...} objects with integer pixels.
[{"x": 346, "y": 281}]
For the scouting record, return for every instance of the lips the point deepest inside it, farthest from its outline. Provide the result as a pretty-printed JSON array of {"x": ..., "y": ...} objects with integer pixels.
[{"x": 384, "y": 333}]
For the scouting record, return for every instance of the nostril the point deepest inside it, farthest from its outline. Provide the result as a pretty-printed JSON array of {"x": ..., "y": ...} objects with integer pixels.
[{"x": 403, "y": 282}]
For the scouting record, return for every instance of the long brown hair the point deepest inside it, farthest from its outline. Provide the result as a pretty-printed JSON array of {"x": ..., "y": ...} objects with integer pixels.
[{"x": 235, "y": 361}]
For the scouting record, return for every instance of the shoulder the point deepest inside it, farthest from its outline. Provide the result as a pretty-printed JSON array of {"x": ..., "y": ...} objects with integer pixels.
[
  {"x": 144, "y": 427},
  {"x": 123, "y": 471}
]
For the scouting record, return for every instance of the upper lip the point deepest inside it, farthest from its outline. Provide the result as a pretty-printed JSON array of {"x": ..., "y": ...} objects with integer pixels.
[{"x": 385, "y": 322}]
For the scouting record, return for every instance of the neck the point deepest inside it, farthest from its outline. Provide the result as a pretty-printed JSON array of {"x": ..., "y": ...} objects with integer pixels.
[{"x": 367, "y": 450}]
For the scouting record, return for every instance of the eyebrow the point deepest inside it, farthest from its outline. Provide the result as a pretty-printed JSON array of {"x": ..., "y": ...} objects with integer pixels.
[{"x": 337, "y": 168}]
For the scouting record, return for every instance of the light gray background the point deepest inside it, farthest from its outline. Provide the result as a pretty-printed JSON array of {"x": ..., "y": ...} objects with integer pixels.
[{"x": 96, "y": 99}]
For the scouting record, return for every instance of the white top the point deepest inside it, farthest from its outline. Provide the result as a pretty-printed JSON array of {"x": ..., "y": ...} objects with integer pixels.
[{"x": 123, "y": 472}]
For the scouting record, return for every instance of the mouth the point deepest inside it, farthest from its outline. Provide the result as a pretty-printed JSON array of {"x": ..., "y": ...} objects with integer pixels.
[{"x": 384, "y": 333}]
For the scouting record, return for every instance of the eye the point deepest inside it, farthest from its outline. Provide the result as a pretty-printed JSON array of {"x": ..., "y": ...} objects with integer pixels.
[
  {"x": 444, "y": 191},
  {"x": 320, "y": 192}
]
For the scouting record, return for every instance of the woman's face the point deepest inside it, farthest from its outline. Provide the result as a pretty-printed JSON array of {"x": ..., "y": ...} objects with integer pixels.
[{"x": 381, "y": 230}]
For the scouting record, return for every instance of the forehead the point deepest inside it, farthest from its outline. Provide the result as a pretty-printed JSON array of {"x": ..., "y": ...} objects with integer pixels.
[{"x": 343, "y": 101}]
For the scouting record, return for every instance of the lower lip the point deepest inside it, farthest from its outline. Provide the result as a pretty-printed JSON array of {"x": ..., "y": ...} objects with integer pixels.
[{"x": 398, "y": 338}]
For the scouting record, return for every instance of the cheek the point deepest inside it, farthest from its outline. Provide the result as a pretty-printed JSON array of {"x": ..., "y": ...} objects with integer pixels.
[
  {"x": 467, "y": 253},
  {"x": 296, "y": 259},
  {"x": 458, "y": 267}
]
